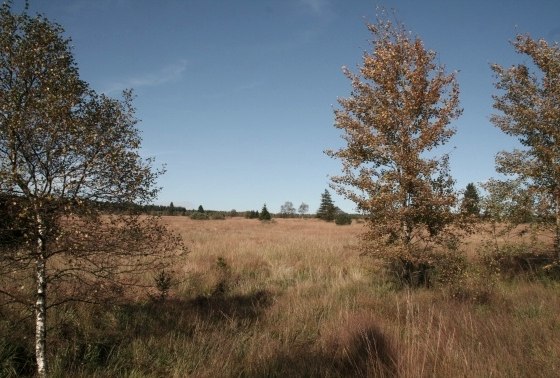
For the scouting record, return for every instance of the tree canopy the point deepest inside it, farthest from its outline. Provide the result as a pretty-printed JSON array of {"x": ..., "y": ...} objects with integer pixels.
[
  {"x": 529, "y": 109},
  {"x": 399, "y": 111},
  {"x": 287, "y": 209},
  {"x": 303, "y": 209},
  {"x": 64, "y": 149}
]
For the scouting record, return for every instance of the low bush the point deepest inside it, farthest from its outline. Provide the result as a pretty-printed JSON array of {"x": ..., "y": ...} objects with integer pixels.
[
  {"x": 162, "y": 282},
  {"x": 476, "y": 285},
  {"x": 199, "y": 216},
  {"x": 513, "y": 261},
  {"x": 426, "y": 269},
  {"x": 342, "y": 219},
  {"x": 218, "y": 216}
]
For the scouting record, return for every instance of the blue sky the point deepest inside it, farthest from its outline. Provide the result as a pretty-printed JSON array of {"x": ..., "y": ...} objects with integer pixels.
[{"x": 236, "y": 97}]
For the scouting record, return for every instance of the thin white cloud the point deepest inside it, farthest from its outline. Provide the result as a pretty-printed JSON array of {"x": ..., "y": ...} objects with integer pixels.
[
  {"x": 322, "y": 13},
  {"x": 317, "y": 7},
  {"x": 167, "y": 74}
]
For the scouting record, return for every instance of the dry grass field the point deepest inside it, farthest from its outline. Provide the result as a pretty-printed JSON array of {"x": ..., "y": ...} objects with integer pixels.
[{"x": 293, "y": 298}]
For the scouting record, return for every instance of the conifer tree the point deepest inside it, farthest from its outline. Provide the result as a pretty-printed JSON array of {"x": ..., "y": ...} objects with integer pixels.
[
  {"x": 327, "y": 209},
  {"x": 471, "y": 201},
  {"x": 200, "y": 209},
  {"x": 265, "y": 215}
]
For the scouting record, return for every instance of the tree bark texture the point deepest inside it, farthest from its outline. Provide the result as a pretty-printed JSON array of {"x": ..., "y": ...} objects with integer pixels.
[{"x": 41, "y": 304}]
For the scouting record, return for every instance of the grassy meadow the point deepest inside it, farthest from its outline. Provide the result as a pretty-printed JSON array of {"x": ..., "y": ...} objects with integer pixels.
[{"x": 293, "y": 297}]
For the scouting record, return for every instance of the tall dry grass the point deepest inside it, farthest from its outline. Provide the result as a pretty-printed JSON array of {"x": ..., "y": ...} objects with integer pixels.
[{"x": 293, "y": 298}]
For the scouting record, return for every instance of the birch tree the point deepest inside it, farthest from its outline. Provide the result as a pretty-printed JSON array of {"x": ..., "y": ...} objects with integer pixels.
[
  {"x": 64, "y": 150},
  {"x": 529, "y": 109},
  {"x": 287, "y": 209},
  {"x": 399, "y": 111},
  {"x": 303, "y": 209}
]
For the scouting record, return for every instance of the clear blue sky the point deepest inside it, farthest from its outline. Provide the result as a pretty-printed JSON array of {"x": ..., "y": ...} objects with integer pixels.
[{"x": 236, "y": 97}]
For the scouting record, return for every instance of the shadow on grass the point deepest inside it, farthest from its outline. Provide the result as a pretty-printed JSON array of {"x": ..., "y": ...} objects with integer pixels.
[
  {"x": 515, "y": 263},
  {"x": 98, "y": 337},
  {"x": 175, "y": 315},
  {"x": 16, "y": 359},
  {"x": 367, "y": 353},
  {"x": 220, "y": 306}
]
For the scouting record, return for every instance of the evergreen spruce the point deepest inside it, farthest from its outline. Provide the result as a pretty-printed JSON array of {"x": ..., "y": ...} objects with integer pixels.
[
  {"x": 265, "y": 215},
  {"x": 342, "y": 218},
  {"x": 471, "y": 201},
  {"x": 327, "y": 209}
]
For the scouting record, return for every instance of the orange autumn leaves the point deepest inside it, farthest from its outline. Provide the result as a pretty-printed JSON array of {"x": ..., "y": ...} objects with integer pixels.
[{"x": 400, "y": 109}]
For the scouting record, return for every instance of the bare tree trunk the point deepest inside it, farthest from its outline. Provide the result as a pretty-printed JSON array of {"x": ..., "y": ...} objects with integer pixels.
[
  {"x": 41, "y": 304},
  {"x": 407, "y": 230},
  {"x": 407, "y": 224}
]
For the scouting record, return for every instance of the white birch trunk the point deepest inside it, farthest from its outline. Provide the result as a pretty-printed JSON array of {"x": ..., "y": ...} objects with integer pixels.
[{"x": 41, "y": 304}]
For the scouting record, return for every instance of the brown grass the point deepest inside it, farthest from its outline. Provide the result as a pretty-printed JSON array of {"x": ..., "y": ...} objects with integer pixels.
[{"x": 293, "y": 298}]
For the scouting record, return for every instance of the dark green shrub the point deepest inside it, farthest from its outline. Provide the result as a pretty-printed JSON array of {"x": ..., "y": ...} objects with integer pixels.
[
  {"x": 218, "y": 216},
  {"x": 342, "y": 219},
  {"x": 253, "y": 214},
  {"x": 199, "y": 216}
]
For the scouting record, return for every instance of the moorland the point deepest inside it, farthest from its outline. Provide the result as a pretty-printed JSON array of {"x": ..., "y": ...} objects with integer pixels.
[{"x": 294, "y": 297}]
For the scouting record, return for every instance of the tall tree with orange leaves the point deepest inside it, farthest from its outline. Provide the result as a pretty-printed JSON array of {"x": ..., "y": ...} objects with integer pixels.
[{"x": 399, "y": 111}]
